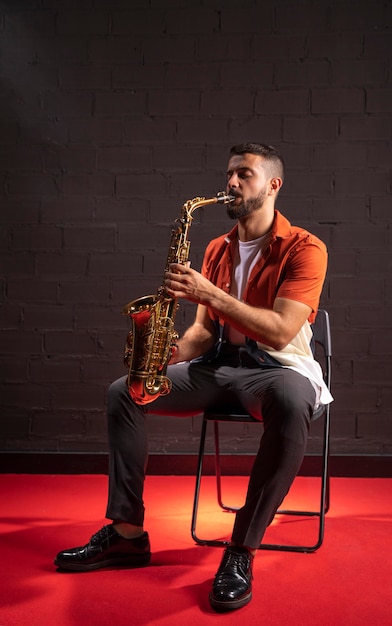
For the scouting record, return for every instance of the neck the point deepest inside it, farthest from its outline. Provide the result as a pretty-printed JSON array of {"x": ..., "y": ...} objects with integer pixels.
[{"x": 255, "y": 225}]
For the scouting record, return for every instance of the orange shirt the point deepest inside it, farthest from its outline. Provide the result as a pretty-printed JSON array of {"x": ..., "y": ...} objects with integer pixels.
[{"x": 293, "y": 266}]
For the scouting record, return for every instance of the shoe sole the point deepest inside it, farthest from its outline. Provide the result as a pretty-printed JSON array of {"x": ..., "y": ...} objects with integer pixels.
[
  {"x": 142, "y": 561},
  {"x": 229, "y": 605}
]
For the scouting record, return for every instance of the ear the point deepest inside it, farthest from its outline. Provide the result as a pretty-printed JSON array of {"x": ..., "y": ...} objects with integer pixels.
[{"x": 275, "y": 184}]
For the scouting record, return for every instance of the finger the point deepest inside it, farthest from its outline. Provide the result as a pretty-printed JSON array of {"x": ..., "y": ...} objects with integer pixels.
[
  {"x": 179, "y": 268},
  {"x": 172, "y": 284}
]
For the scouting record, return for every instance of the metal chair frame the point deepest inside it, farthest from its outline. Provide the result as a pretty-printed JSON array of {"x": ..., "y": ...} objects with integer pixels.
[{"x": 322, "y": 337}]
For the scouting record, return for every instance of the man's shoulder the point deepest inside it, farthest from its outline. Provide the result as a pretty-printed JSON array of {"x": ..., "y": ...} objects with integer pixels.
[{"x": 286, "y": 230}]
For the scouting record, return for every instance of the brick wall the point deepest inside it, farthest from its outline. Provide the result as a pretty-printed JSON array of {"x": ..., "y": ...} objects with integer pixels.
[{"x": 113, "y": 113}]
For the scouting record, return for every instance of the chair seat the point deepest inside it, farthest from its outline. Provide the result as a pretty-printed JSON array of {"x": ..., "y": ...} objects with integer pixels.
[{"x": 229, "y": 416}]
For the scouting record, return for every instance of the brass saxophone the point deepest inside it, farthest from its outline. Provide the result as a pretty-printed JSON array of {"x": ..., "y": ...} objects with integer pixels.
[{"x": 151, "y": 338}]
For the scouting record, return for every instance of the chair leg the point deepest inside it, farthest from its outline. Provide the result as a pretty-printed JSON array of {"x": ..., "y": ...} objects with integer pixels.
[
  {"x": 198, "y": 540},
  {"x": 326, "y": 474},
  {"x": 225, "y": 507},
  {"x": 198, "y": 481},
  {"x": 324, "y": 497}
]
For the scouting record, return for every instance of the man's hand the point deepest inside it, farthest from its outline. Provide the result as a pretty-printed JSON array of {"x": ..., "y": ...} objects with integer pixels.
[
  {"x": 181, "y": 281},
  {"x": 174, "y": 357}
]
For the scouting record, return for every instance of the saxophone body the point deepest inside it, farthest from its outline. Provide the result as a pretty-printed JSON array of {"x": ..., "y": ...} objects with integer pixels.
[{"x": 152, "y": 336}]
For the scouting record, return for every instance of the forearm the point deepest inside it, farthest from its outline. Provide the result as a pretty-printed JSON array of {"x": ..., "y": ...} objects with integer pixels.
[
  {"x": 256, "y": 323},
  {"x": 274, "y": 327}
]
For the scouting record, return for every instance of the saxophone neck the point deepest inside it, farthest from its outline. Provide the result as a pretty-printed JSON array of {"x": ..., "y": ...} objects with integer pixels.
[
  {"x": 191, "y": 205},
  {"x": 179, "y": 244}
]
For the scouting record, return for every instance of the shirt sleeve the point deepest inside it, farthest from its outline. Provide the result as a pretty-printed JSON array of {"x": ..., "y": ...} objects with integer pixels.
[{"x": 305, "y": 273}]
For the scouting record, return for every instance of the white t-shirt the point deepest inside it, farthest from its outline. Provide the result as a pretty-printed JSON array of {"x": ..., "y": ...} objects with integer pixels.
[{"x": 247, "y": 255}]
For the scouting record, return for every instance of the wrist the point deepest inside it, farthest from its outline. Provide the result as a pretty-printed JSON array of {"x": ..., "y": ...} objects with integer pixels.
[{"x": 221, "y": 301}]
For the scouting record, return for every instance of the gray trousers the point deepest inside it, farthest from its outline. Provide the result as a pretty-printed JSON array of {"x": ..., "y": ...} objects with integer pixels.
[{"x": 282, "y": 398}]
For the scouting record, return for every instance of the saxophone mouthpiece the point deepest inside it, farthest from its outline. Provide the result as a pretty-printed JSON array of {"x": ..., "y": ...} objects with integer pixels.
[{"x": 223, "y": 198}]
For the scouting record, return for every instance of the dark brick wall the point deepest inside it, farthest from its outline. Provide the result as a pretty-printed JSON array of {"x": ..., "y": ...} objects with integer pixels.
[{"x": 113, "y": 113}]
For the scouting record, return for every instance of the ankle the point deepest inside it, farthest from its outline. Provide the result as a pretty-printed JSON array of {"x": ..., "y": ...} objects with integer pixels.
[
  {"x": 126, "y": 530},
  {"x": 251, "y": 551}
]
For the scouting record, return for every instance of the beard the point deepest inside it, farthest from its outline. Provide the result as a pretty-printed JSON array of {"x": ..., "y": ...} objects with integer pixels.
[{"x": 247, "y": 207}]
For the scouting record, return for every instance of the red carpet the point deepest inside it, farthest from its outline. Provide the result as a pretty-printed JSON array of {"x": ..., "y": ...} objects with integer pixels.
[{"x": 346, "y": 582}]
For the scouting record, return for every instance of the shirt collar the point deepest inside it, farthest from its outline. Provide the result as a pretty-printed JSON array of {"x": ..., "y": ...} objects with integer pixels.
[{"x": 281, "y": 227}]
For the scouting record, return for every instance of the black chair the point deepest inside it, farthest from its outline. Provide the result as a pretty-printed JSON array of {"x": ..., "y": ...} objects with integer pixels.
[{"x": 322, "y": 345}]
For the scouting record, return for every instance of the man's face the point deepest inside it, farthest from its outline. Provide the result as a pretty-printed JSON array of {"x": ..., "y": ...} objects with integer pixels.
[{"x": 248, "y": 182}]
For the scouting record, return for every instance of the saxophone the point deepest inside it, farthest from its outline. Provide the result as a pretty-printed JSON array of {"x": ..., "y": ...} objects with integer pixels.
[{"x": 152, "y": 336}]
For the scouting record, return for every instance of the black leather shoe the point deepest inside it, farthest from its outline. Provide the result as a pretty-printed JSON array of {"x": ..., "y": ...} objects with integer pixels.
[
  {"x": 232, "y": 587},
  {"x": 104, "y": 549}
]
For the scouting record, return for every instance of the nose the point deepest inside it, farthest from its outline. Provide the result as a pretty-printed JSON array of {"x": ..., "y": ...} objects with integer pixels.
[{"x": 232, "y": 181}]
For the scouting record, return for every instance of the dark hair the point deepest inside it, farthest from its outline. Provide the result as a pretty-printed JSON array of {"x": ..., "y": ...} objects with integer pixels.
[{"x": 269, "y": 153}]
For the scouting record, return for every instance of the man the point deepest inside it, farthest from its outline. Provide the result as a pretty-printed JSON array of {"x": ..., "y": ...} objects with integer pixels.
[{"x": 257, "y": 294}]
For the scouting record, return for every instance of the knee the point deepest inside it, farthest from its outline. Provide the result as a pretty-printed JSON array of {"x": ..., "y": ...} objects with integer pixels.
[
  {"x": 287, "y": 417},
  {"x": 293, "y": 396},
  {"x": 296, "y": 407}
]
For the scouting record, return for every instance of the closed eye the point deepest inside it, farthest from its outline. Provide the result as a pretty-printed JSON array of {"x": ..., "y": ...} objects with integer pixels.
[{"x": 241, "y": 173}]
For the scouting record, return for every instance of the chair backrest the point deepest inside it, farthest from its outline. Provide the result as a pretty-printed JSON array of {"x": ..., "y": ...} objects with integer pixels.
[
  {"x": 322, "y": 336},
  {"x": 322, "y": 331}
]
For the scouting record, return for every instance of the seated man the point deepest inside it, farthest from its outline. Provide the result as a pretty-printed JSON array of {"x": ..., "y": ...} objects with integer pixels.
[{"x": 257, "y": 294}]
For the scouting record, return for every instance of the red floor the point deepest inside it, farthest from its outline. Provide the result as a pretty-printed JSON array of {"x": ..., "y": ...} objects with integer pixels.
[{"x": 346, "y": 582}]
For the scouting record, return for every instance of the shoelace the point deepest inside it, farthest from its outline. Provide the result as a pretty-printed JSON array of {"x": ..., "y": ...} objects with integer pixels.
[
  {"x": 237, "y": 562},
  {"x": 100, "y": 536}
]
